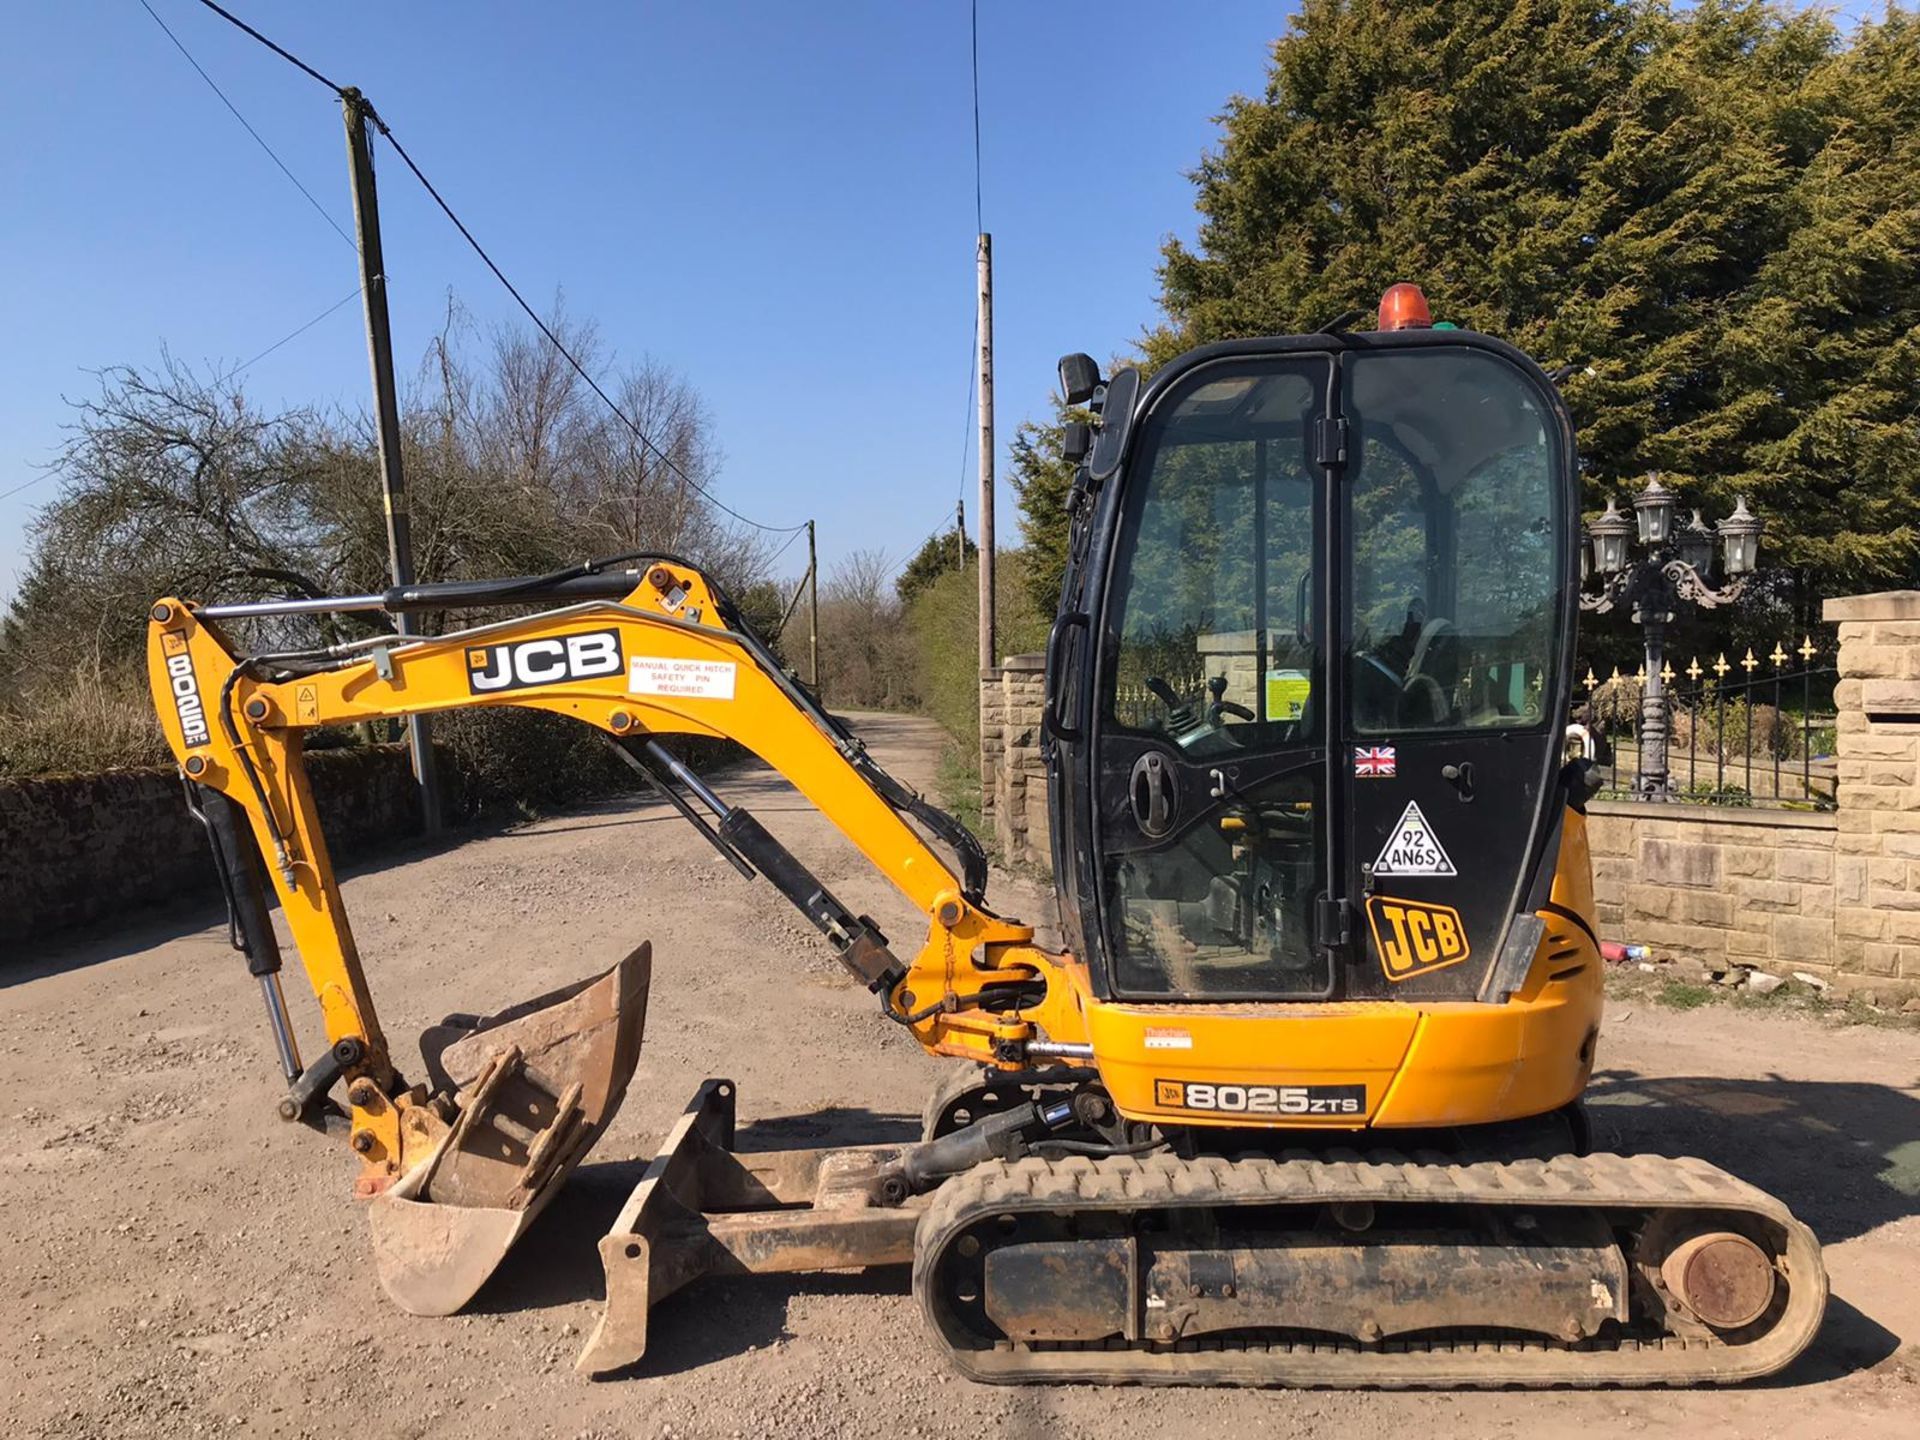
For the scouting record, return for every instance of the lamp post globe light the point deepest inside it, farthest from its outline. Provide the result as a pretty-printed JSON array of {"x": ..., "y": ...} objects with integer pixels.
[{"x": 1671, "y": 569}]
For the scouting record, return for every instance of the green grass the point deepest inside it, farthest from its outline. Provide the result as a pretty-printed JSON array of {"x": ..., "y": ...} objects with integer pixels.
[
  {"x": 1682, "y": 995},
  {"x": 958, "y": 784}
]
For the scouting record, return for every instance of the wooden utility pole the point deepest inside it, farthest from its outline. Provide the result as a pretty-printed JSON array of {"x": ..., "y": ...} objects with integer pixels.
[
  {"x": 813, "y": 612},
  {"x": 386, "y": 415},
  {"x": 960, "y": 533},
  {"x": 986, "y": 454}
]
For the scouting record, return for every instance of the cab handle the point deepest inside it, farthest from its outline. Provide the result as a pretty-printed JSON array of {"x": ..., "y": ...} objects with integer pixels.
[
  {"x": 1058, "y": 689},
  {"x": 1460, "y": 777}
]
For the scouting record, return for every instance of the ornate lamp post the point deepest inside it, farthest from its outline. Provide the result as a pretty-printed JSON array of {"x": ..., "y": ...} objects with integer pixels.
[{"x": 1671, "y": 569}]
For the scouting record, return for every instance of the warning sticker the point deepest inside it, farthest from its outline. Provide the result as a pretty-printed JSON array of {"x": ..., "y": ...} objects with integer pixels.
[
  {"x": 1166, "y": 1037},
  {"x": 688, "y": 679},
  {"x": 1413, "y": 848},
  {"x": 306, "y": 704}
]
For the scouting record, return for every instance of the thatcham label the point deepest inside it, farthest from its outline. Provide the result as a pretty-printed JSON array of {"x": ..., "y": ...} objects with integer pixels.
[{"x": 686, "y": 679}]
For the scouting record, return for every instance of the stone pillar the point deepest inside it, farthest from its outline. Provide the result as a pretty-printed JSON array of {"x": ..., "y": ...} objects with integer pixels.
[
  {"x": 993, "y": 724},
  {"x": 1019, "y": 785},
  {"x": 1877, "y": 867}
]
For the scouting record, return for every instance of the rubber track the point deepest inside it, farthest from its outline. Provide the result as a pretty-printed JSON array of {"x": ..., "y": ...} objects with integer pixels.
[{"x": 1614, "y": 1182}]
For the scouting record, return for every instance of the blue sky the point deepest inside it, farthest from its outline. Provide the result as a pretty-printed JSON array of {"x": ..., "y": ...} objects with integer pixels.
[{"x": 777, "y": 200}]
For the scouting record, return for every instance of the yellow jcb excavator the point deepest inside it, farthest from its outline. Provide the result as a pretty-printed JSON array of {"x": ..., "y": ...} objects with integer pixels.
[{"x": 1298, "y": 1102}]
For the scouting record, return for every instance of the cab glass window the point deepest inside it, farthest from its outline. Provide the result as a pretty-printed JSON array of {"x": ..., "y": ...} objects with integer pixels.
[
  {"x": 1451, "y": 516},
  {"x": 1215, "y": 626}
]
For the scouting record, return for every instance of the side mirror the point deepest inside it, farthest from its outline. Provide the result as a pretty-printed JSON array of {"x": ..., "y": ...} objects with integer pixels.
[
  {"x": 1079, "y": 378},
  {"x": 1076, "y": 440}
]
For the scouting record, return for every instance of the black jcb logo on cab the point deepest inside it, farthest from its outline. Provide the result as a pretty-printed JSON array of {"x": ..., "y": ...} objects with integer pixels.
[
  {"x": 1413, "y": 937},
  {"x": 523, "y": 663}
]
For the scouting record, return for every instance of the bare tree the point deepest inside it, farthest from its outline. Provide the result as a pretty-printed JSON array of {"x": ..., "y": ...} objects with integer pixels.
[
  {"x": 173, "y": 483},
  {"x": 865, "y": 651}
]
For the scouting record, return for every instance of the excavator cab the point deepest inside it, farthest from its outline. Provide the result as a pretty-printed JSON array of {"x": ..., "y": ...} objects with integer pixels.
[{"x": 1311, "y": 670}]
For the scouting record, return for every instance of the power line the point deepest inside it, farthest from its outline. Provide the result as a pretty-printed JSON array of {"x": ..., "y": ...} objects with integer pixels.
[
  {"x": 353, "y": 294},
  {"x": 938, "y": 532},
  {"x": 286, "y": 55},
  {"x": 978, "y": 222},
  {"x": 565, "y": 353},
  {"x": 500, "y": 275},
  {"x": 289, "y": 337},
  {"x": 774, "y": 558},
  {"x": 27, "y": 484},
  {"x": 319, "y": 209},
  {"x": 966, "y": 420}
]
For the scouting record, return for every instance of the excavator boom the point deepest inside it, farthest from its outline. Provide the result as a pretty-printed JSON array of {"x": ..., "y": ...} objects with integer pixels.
[{"x": 458, "y": 1173}]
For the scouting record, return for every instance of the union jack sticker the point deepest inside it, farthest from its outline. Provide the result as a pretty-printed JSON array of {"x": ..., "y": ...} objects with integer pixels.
[{"x": 1375, "y": 762}]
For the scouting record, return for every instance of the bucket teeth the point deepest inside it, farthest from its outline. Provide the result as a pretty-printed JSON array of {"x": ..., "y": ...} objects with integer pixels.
[{"x": 537, "y": 1086}]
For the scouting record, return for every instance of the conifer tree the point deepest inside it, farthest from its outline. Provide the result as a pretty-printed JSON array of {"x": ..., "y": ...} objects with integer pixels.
[{"x": 1714, "y": 214}]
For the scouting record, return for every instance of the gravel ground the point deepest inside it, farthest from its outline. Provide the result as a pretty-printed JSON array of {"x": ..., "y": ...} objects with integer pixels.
[{"x": 181, "y": 1263}]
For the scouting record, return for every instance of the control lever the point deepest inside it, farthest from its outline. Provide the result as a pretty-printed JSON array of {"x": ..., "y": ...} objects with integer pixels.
[
  {"x": 1217, "y": 687},
  {"x": 1180, "y": 716}
]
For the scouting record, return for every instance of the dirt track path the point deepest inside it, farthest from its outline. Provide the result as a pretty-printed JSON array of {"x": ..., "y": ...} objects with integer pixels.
[{"x": 179, "y": 1262}]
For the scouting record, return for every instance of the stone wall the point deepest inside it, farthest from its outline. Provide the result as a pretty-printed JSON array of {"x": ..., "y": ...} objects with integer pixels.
[
  {"x": 1835, "y": 894},
  {"x": 1751, "y": 887},
  {"x": 1013, "y": 778},
  {"x": 76, "y": 848}
]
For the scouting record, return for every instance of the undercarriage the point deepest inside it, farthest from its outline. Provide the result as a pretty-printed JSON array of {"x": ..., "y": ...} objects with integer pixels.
[{"x": 1346, "y": 1266}]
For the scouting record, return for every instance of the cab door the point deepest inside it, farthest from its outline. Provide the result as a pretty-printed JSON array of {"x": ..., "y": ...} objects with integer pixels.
[
  {"x": 1212, "y": 738},
  {"x": 1456, "y": 505}
]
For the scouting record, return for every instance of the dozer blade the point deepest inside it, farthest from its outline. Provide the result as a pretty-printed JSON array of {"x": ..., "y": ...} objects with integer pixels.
[
  {"x": 702, "y": 1209},
  {"x": 535, "y": 1087}
]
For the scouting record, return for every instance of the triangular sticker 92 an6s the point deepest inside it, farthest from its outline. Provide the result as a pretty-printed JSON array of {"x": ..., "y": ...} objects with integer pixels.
[{"x": 1413, "y": 848}]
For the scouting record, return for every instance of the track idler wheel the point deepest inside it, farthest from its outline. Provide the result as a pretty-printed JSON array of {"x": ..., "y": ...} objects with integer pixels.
[{"x": 1720, "y": 1278}]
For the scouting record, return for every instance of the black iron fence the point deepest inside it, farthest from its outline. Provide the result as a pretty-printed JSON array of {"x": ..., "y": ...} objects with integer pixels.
[
  {"x": 1754, "y": 729},
  {"x": 1751, "y": 727}
]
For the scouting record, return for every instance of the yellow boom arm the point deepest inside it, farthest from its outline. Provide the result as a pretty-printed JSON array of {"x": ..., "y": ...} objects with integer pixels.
[{"x": 662, "y": 661}]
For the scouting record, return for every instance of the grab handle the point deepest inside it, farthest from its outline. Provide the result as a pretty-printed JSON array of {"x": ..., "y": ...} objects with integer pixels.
[{"x": 1058, "y": 688}]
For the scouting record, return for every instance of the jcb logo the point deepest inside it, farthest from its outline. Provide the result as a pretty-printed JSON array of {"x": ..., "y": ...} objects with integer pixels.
[
  {"x": 515, "y": 666},
  {"x": 186, "y": 690},
  {"x": 1413, "y": 937}
]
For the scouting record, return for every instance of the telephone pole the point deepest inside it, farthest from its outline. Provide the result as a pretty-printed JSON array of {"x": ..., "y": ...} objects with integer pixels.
[
  {"x": 986, "y": 454},
  {"x": 813, "y": 613},
  {"x": 960, "y": 533},
  {"x": 386, "y": 415}
]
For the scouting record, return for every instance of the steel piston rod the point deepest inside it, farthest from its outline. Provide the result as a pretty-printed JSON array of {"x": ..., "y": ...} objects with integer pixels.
[
  {"x": 665, "y": 758},
  {"x": 606, "y": 585},
  {"x": 282, "y": 1024}
]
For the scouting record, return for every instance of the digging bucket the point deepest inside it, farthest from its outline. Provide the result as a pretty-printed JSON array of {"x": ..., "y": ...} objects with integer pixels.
[{"x": 535, "y": 1086}]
